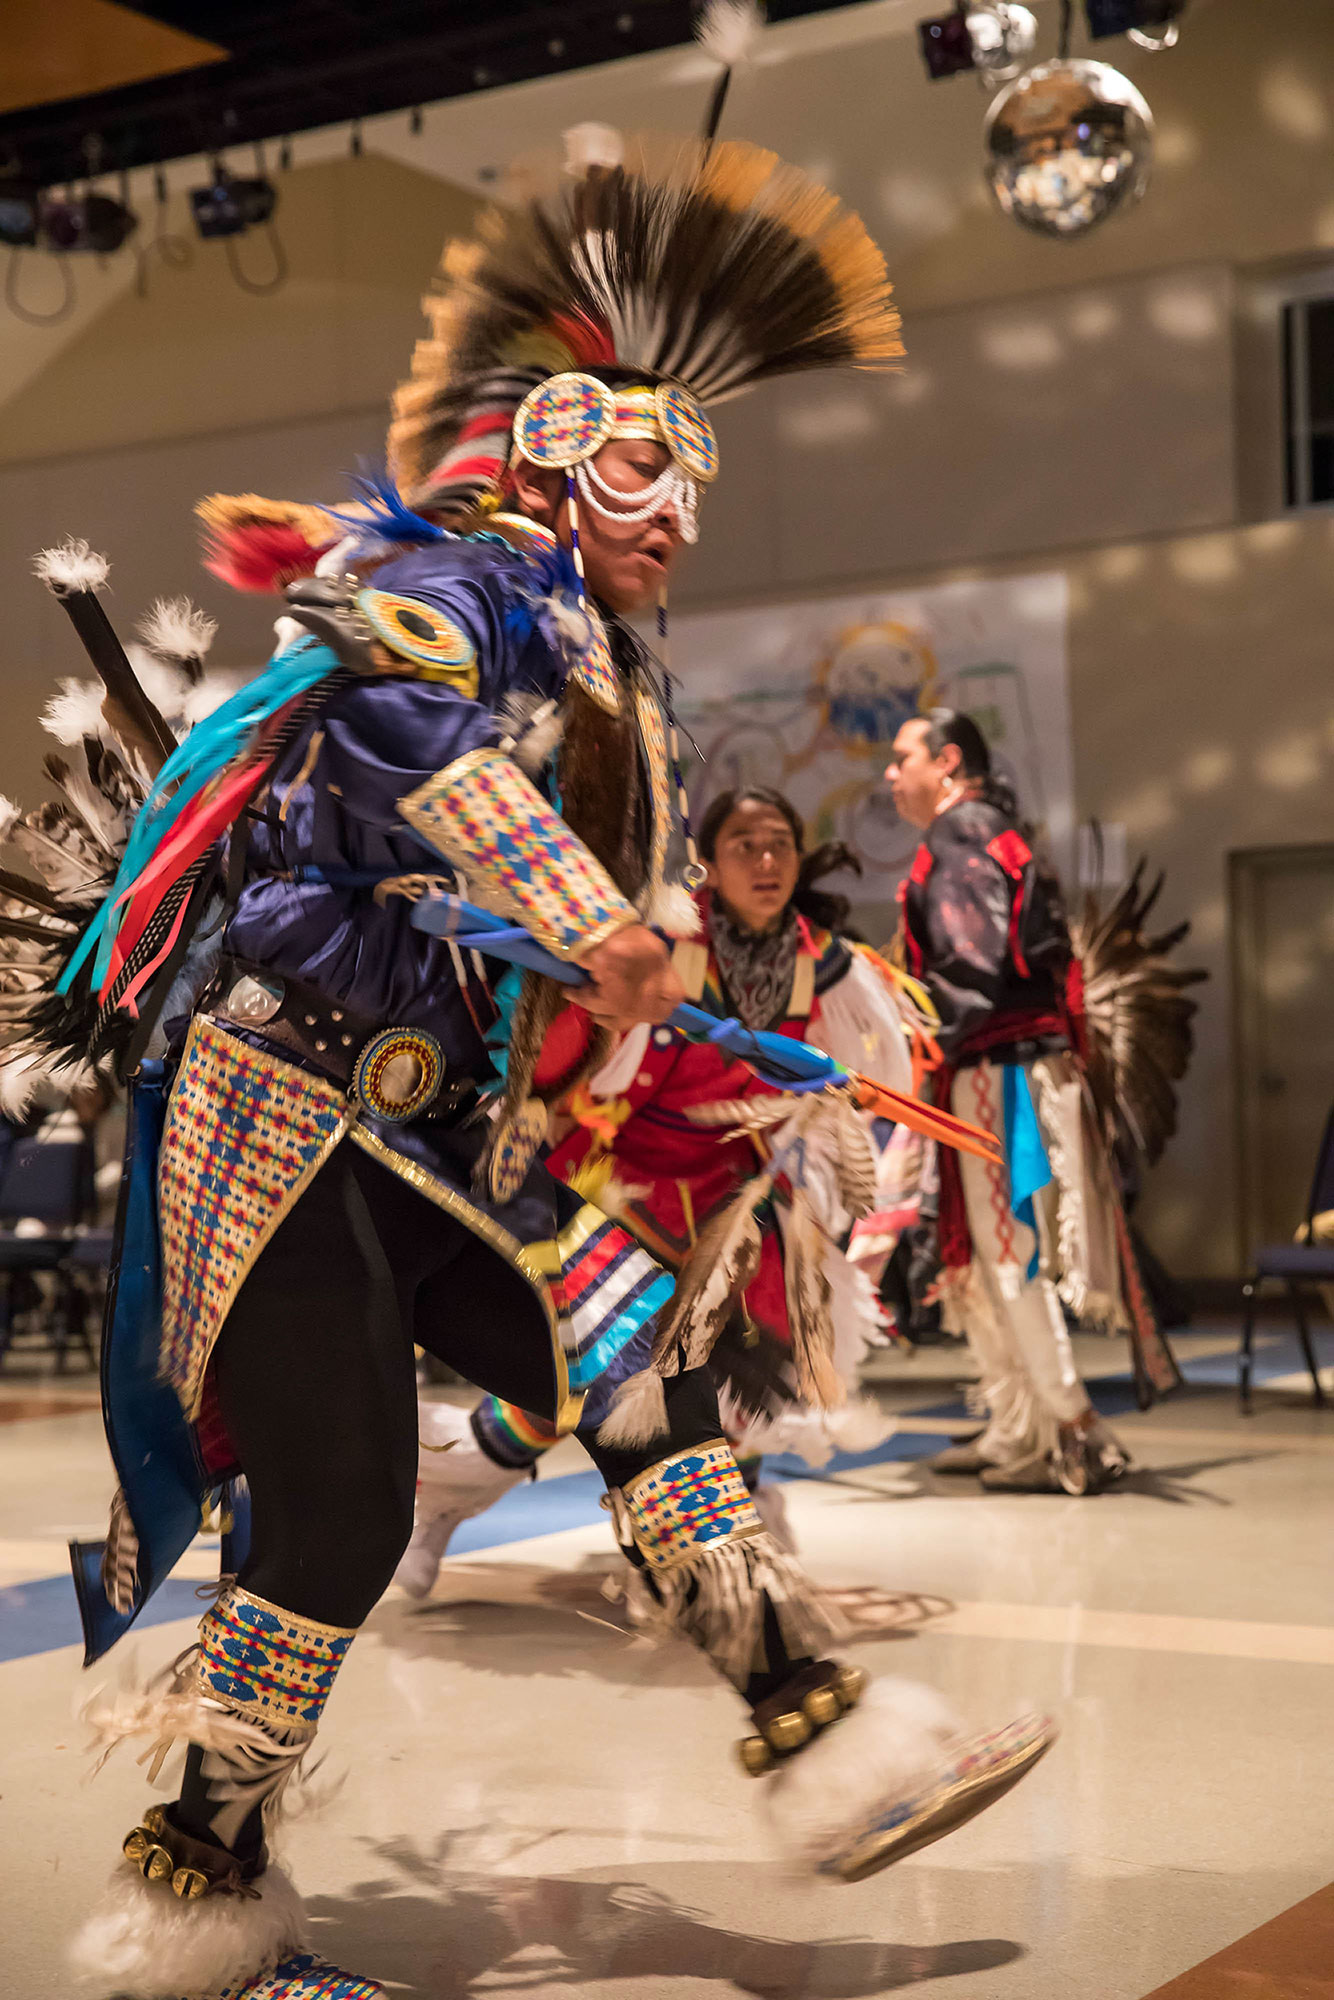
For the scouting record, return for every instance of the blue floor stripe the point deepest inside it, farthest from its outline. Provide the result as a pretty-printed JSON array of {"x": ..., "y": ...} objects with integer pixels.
[{"x": 40, "y": 1616}]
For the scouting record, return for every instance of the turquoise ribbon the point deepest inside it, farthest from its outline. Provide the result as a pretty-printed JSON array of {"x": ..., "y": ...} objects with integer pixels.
[{"x": 1025, "y": 1152}]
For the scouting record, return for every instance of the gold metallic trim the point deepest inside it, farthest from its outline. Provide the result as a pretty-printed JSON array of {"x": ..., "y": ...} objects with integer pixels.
[
  {"x": 279, "y": 1069},
  {"x": 550, "y": 1256},
  {"x": 490, "y": 1232}
]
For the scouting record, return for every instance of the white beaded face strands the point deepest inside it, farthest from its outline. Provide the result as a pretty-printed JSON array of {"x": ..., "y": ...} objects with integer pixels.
[
  {"x": 673, "y": 491},
  {"x": 564, "y": 423}
]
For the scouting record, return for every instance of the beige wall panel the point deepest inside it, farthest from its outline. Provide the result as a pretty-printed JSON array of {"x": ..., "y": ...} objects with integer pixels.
[{"x": 1075, "y": 416}]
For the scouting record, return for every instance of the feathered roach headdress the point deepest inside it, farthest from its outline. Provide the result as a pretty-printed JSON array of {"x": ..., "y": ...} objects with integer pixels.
[{"x": 711, "y": 267}]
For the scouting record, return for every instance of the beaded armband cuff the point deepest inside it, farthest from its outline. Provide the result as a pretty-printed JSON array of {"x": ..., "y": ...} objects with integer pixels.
[
  {"x": 266, "y": 1663},
  {"x": 520, "y": 857},
  {"x": 688, "y": 1504}
]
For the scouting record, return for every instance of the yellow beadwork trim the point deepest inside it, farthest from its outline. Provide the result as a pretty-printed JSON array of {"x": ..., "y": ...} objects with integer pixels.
[
  {"x": 520, "y": 1255},
  {"x": 236, "y": 1593},
  {"x": 550, "y": 1257}
]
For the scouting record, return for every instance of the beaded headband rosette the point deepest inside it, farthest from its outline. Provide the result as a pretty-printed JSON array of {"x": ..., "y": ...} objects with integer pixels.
[{"x": 564, "y": 423}]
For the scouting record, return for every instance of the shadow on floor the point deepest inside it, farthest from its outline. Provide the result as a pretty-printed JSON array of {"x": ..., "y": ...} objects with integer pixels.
[{"x": 431, "y": 1931}]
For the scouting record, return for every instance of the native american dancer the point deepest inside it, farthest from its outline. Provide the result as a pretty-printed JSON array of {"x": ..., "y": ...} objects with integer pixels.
[
  {"x": 336, "y": 1156},
  {"x": 679, "y": 1140},
  {"x": 1023, "y": 1241}
]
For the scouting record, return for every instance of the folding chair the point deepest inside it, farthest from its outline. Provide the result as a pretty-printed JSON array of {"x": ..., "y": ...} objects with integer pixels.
[
  {"x": 46, "y": 1180},
  {"x": 1293, "y": 1265}
]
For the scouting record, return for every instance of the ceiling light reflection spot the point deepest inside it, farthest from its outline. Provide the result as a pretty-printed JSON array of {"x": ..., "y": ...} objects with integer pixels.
[
  {"x": 1184, "y": 312},
  {"x": 1209, "y": 559},
  {"x": 1206, "y": 769},
  {"x": 1148, "y": 810},
  {"x": 918, "y": 204},
  {"x": 1093, "y": 319},
  {"x": 838, "y": 417},
  {"x": 1290, "y": 763},
  {"x": 1120, "y": 565},
  {"x": 1293, "y": 105},
  {"x": 1022, "y": 346}
]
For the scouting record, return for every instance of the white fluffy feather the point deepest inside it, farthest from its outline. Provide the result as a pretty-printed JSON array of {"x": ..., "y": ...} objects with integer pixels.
[
  {"x": 22, "y": 1076},
  {"x": 71, "y": 566},
  {"x": 533, "y": 729},
  {"x": 9, "y": 814},
  {"x": 142, "y": 1942},
  {"x": 75, "y": 712},
  {"x": 889, "y": 1748},
  {"x": 729, "y": 29},
  {"x": 673, "y": 909},
  {"x": 210, "y": 693},
  {"x": 592, "y": 145},
  {"x": 177, "y": 629}
]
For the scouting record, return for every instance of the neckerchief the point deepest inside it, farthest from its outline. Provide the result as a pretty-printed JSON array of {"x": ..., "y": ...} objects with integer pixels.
[{"x": 756, "y": 969}]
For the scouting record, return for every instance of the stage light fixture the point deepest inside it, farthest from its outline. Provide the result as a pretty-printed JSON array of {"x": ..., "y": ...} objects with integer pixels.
[
  {"x": 1151, "y": 23},
  {"x": 20, "y": 207},
  {"x": 231, "y": 204},
  {"x": 994, "y": 37},
  {"x": 84, "y": 222},
  {"x": 947, "y": 46}
]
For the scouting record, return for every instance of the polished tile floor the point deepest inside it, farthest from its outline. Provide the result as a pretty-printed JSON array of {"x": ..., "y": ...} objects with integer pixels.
[{"x": 534, "y": 1802}]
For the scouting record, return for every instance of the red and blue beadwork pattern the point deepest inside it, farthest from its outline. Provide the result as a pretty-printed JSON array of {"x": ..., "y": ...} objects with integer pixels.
[
  {"x": 688, "y": 432},
  {"x": 689, "y": 1504},
  {"x": 265, "y": 1662},
  {"x": 399, "y": 1073},
  {"x": 244, "y": 1134},
  {"x": 521, "y": 858},
  {"x": 303, "y": 1976},
  {"x": 565, "y": 419}
]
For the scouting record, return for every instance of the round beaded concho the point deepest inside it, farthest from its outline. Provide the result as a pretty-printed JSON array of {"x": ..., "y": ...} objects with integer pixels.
[{"x": 398, "y": 1073}]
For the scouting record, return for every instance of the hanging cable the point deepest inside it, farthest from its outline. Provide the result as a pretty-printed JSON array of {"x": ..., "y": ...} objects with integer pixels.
[{"x": 26, "y": 313}]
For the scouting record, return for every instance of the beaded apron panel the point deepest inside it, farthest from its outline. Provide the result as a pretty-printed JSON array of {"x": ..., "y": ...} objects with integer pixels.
[
  {"x": 688, "y": 1504},
  {"x": 245, "y": 1133}
]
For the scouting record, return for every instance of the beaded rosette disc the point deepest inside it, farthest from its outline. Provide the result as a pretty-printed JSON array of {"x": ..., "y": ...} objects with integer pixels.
[
  {"x": 688, "y": 432},
  {"x": 398, "y": 1073},
  {"x": 565, "y": 419},
  {"x": 420, "y": 633}
]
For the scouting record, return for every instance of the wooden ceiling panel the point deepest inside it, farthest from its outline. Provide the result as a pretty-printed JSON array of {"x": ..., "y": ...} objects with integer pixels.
[{"x": 75, "y": 48}]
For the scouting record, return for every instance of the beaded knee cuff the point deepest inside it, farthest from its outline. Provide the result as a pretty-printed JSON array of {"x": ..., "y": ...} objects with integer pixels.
[
  {"x": 266, "y": 1663},
  {"x": 690, "y": 1503},
  {"x": 249, "y": 1702},
  {"x": 712, "y": 1572}
]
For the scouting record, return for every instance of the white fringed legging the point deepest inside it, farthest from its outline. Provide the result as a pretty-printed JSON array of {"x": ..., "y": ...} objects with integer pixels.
[{"x": 1014, "y": 1323}]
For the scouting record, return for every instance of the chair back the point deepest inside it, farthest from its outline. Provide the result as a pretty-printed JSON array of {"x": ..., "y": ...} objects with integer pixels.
[
  {"x": 1322, "y": 1181},
  {"x": 51, "y": 1181}
]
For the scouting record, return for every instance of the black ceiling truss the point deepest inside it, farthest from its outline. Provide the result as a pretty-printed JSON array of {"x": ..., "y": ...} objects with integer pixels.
[{"x": 294, "y": 65}]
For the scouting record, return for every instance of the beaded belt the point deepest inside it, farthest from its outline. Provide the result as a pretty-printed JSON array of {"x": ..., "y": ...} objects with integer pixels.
[{"x": 398, "y": 1073}]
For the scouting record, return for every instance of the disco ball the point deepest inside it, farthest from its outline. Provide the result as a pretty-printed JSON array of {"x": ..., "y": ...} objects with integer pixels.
[
  {"x": 1066, "y": 143},
  {"x": 1003, "y": 37}
]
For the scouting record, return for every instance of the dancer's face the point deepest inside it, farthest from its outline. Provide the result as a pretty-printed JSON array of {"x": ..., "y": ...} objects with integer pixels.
[
  {"x": 755, "y": 864},
  {"x": 919, "y": 780},
  {"x": 626, "y": 562}
]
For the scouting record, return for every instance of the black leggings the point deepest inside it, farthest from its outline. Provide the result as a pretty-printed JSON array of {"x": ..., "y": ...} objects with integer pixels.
[{"x": 317, "y": 1386}]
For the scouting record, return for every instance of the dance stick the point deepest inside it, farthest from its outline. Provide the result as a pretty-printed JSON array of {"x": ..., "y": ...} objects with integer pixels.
[{"x": 781, "y": 1060}]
